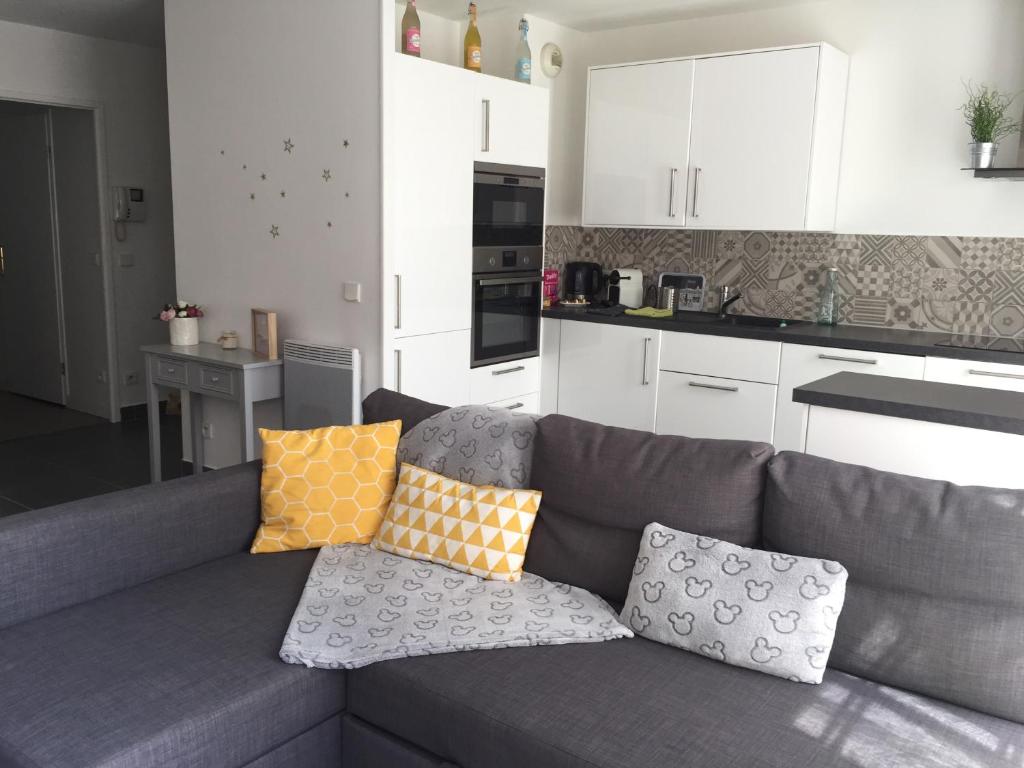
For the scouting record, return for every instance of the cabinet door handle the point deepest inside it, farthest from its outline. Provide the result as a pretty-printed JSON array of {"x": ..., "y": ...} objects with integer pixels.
[
  {"x": 398, "y": 302},
  {"x": 514, "y": 406},
  {"x": 719, "y": 387},
  {"x": 644, "y": 381},
  {"x": 509, "y": 370},
  {"x": 673, "y": 175},
  {"x": 485, "y": 124},
  {"x": 398, "y": 370},
  {"x": 3, "y": 262},
  {"x": 996, "y": 374},
  {"x": 696, "y": 189},
  {"x": 840, "y": 359}
]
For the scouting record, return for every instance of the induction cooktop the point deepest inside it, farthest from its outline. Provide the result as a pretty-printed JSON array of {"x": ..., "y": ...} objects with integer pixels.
[{"x": 992, "y": 343}]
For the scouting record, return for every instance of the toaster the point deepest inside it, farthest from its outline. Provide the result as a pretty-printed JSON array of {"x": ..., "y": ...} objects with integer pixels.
[{"x": 626, "y": 287}]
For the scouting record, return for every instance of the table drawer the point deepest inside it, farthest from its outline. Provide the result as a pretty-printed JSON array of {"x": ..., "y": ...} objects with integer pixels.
[
  {"x": 721, "y": 357},
  {"x": 974, "y": 374},
  {"x": 169, "y": 370},
  {"x": 504, "y": 380},
  {"x": 213, "y": 379}
]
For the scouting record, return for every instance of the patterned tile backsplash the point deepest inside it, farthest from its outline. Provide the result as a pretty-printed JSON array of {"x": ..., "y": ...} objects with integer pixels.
[{"x": 964, "y": 285}]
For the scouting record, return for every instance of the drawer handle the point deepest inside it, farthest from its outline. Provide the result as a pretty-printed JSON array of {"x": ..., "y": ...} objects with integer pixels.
[
  {"x": 171, "y": 370},
  {"x": 719, "y": 387},
  {"x": 514, "y": 406},
  {"x": 509, "y": 370},
  {"x": 214, "y": 379},
  {"x": 996, "y": 374},
  {"x": 839, "y": 359}
]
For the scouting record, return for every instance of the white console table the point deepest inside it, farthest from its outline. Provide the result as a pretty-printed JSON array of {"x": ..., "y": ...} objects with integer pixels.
[{"x": 206, "y": 370}]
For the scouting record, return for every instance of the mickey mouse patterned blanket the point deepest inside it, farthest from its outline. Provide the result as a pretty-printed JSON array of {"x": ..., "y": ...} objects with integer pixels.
[{"x": 361, "y": 605}]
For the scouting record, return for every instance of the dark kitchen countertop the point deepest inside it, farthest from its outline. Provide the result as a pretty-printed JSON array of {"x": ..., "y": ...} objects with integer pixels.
[
  {"x": 892, "y": 340},
  {"x": 995, "y": 410}
]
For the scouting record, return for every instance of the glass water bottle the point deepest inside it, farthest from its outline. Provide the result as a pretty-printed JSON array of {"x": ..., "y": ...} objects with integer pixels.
[
  {"x": 828, "y": 302},
  {"x": 524, "y": 61}
]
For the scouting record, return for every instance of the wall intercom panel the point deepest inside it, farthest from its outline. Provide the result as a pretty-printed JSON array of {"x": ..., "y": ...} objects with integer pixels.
[{"x": 129, "y": 204}]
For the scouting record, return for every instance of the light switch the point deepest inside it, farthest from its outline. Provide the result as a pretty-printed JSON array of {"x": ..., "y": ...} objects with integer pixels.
[
  {"x": 126, "y": 259},
  {"x": 353, "y": 292}
]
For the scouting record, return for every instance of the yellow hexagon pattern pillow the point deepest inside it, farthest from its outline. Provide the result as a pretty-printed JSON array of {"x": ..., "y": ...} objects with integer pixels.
[{"x": 325, "y": 486}]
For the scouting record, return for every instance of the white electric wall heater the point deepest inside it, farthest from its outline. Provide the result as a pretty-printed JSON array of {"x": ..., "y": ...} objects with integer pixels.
[{"x": 322, "y": 385}]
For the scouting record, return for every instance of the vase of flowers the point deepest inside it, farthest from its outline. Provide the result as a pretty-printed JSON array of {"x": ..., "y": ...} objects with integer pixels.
[
  {"x": 985, "y": 113},
  {"x": 183, "y": 320}
]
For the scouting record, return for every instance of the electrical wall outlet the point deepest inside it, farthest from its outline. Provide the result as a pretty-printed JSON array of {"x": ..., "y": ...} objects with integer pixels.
[
  {"x": 353, "y": 292},
  {"x": 131, "y": 378},
  {"x": 208, "y": 430}
]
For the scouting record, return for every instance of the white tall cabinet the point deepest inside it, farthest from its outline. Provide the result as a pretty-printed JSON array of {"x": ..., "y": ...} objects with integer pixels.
[
  {"x": 638, "y": 133},
  {"x": 609, "y": 374},
  {"x": 756, "y": 138},
  {"x": 439, "y": 119}
]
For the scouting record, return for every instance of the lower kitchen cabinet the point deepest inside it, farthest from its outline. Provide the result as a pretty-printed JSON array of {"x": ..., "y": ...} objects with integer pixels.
[
  {"x": 434, "y": 367},
  {"x": 609, "y": 374},
  {"x": 528, "y": 403},
  {"x": 802, "y": 364},
  {"x": 726, "y": 409}
]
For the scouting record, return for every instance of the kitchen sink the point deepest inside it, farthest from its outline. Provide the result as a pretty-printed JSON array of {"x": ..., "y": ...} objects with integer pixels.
[{"x": 753, "y": 321}]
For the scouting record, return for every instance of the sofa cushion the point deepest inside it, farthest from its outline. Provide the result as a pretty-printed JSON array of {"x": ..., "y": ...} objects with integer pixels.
[
  {"x": 636, "y": 703},
  {"x": 179, "y": 671},
  {"x": 385, "y": 405},
  {"x": 935, "y": 598},
  {"x": 602, "y": 485}
]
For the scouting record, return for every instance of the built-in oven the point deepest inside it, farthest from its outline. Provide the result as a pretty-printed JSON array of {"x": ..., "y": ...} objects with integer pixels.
[
  {"x": 507, "y": 295},
  {"x": 508, "y": 206}
]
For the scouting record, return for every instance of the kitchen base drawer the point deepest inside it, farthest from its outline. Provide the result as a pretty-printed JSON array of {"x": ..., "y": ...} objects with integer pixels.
[
  {"x": 167, "y": 370},
  {"x": 504, "y": 380},
  {"x": 528, "y": 403},
  {"x": 721, "y": 357},
  {"x": 724, "y": 409},
  {"x": 974, "y": 374}
]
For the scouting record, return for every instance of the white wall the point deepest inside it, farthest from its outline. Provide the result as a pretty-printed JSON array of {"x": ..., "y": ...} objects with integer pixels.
[
  {"x": 128, "y": 82},
  {"x": 312, "y": 77},
  {"x": 905, "y": 141}
]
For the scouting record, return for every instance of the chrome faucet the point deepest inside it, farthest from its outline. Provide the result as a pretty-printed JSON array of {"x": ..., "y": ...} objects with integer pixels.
[{"x": 727, "y": 296}]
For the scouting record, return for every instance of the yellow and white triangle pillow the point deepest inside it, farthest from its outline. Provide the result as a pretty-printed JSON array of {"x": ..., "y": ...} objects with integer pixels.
[{"x": 481, "y": 530}]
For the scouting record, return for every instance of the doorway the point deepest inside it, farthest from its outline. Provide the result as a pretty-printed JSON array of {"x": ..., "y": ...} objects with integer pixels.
[{"x": 54, "y": 345}]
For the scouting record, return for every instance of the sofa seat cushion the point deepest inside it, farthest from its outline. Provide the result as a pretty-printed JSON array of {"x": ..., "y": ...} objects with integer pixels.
[
  {"x": 179, "y": 671},
  {"x": 637, "y": 703}
]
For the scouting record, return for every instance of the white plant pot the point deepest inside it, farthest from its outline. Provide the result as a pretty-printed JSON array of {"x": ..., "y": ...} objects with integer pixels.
[{"x": 184, "y": 331}]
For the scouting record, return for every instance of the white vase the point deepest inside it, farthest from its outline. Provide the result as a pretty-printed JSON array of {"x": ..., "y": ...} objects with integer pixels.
[{"x": 184, "y": 331}]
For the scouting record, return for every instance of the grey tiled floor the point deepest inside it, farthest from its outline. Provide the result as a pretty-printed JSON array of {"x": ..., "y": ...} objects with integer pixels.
[{"x": 51, "y": 469}]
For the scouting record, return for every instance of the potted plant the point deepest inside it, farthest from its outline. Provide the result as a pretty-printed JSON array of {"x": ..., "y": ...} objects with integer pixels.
[
  {"x": 985, "y": 113},
  {"x": 183, "y": 319}
]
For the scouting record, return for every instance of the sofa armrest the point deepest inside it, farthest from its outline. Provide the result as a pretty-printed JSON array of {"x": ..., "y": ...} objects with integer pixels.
[{"x": 68, "y": 554}]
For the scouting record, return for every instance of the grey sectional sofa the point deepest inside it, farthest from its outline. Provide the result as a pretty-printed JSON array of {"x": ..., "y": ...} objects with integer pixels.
[{"x": 135, "y": 630}]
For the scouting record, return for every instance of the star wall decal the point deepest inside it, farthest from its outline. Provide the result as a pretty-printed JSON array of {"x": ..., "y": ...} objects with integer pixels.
[
  {"x": 252, "y": 195},
  {"x": 245, "y": 167},
  {"x": 222, "y": 151},
  {"x": 263, "y": 177},
  {"x": 275, "y": 231},
  {"x": 347, "y": 194},
  {"x": 326, "y": 174},
  {"x": 330, "y": 224},
  {"x": 289, "y": 145},
  {"x": 345, "y": 143},
  {"x": 283, "y": 194}
]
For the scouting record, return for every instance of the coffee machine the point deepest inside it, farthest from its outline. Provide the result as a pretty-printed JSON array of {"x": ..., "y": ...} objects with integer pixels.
[
  {"x": 626, "y": 287},
  {"x": 583, "y": 282}
]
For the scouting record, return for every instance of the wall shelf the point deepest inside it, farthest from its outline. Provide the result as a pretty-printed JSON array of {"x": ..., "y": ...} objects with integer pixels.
[{"x": 1011, "y": 174}]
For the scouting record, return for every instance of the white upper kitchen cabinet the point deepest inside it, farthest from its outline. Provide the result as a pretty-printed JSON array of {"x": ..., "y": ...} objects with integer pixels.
[
  {"x": 638, "y": 133},
  {"x": 431, "y": 219},
  {"x": 609, "y": 374},
  {"x": 766, "y": 138},
  {"x": 511, "y": 122},
  {"x": 803, "y": 364}
]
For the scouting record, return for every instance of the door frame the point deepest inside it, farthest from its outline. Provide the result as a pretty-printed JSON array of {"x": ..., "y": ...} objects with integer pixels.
[{"x": 106, "y": 232}]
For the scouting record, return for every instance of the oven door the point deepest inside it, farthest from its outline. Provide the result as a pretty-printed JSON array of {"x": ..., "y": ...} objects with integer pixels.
[
  {"x": 507, "y": 211},
  {"x": 506, "y": 317}
]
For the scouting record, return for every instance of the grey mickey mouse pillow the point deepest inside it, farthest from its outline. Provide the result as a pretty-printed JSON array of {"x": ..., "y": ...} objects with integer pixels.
[
  {"x": 477, "y": 444},
  {"x": 766, "y": 611}
]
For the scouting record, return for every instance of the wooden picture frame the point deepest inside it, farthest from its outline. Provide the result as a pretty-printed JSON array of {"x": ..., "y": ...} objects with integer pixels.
[{"x": 264, "y": 333}]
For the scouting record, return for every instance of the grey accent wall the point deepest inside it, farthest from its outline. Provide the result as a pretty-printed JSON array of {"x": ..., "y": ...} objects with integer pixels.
[{"x": 966, "y": 285}]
